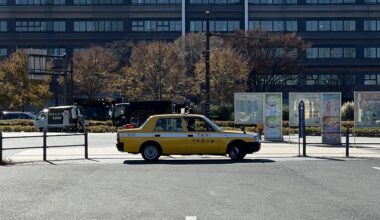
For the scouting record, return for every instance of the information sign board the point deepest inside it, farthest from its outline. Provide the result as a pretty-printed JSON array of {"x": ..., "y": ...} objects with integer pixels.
[
  {"x": 301, "y": 119},
  {"x": 312, "y": 103},
  {"x": 367, "y": 109},
  {"x": 248, "y": 108},
  {"x": 273, "y": 116},
  {"x": 331, "y": 118}
]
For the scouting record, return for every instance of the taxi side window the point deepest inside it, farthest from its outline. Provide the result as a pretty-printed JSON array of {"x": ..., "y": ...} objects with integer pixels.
[
  {"x": 197, "y": 124},
  {"x": 169, "y": 124}
]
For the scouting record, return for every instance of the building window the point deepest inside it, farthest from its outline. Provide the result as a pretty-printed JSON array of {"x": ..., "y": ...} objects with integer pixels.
[
  {"x": 156, "y": 2},
  {"x": 214, "y": 2},
  {"x": 3, "y": 52},
  {"x": 329, "y": 2},
  {"x": 40, "y": 2},
  {"x": 98, "y": 2},
  {"x": 3, "y": 26},
  {"x": 3, "y": 2},
  {"x": 290, "y": 26},
  {"x": 98, "y": 26},
  {"x": 372, "y": 25},
  {"x": 330, "y": 53},
  {"x": 157, "y": 26},
  {"x": 273, "y": 2},
  {"x": 371, "y": 1},
  {"x": 311, "y": 79},
  {"x": 339, "y": 25},
  {"x": 372, "y": 52},
  {"x": 217, "y": 26},
  {"x": 56, "y": 51},
  {"x": 327, "y": 79},
  {"x": 371, "y": 79},
  {"x": 40, "y": 26}
]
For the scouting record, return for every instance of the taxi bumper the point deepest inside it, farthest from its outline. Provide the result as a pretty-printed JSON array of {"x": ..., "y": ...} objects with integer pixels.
[
  {"x": 253, "y": 147},
  {"x": 120, "y": 147}
]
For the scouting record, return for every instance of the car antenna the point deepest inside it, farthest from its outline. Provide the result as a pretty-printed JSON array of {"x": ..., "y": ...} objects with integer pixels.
[{"x": 243, "y": 129}]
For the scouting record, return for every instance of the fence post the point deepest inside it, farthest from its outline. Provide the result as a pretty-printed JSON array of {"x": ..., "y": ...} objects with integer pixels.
[
  {"x": 85, "y": 144},
  {"x": 1, "y": 147},
  {"x": 44, "y": 145},
  {"x": 347, "y": 142}
]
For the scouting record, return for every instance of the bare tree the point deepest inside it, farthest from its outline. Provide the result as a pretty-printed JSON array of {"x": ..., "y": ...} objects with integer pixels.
[{"x": 274, "y": 59}]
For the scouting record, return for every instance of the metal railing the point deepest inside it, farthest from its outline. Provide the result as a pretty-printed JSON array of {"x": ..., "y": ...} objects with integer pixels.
[
  {"x": 346, "y": 143},
  {"x": 44, "y": 146}
]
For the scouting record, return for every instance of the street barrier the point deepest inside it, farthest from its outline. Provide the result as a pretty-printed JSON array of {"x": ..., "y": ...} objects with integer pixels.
[
  {"x": 346, "y": 143},
  {"x": 44, "y": 146}
]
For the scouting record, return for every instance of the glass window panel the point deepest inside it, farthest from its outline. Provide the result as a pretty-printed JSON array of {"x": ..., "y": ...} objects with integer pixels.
[{"x": 278, "y": 26}]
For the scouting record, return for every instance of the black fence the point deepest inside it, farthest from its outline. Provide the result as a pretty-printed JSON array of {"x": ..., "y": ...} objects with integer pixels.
[
  {"x": 347, "y": 144},
  {"x": 44, "y": 146}
]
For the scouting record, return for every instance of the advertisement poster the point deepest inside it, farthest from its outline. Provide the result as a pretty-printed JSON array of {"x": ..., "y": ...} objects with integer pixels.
[
  {"x": 367, "y": 109},
  {"x": 312, "y": 108},
  {"x": 248, "y": 108},
  {"x": 273, "y": 116},
  {"x": 331, "y": 118}
]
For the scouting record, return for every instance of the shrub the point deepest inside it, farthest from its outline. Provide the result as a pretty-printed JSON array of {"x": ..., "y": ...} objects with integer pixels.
[
  {"x": 347, "y": 111},
  {"x": 285, "y": 113},
  {"x": 221, "y": 112}
]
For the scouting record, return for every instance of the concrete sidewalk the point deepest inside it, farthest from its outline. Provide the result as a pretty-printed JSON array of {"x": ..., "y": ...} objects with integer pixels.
[{"x": 108, "y": 152}]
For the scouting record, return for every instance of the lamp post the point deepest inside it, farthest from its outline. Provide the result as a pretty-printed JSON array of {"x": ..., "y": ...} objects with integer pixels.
[{"x": 207, "y": 64}]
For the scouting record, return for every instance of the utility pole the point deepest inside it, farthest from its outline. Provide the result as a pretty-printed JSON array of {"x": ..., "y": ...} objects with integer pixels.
[
  {"x": 207, "y": 60},
  {"x": 65, "y": 57}
]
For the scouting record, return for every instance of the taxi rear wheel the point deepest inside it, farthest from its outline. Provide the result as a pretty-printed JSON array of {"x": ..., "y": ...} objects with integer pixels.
[
  {"x": 236, "y": 151},
  {"x": 151, "y": 152}
]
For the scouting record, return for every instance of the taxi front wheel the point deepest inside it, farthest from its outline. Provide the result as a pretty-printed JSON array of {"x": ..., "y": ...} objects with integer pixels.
[
  {"x": 236, "y": 152},
  {"x": 151, "y": 152}
]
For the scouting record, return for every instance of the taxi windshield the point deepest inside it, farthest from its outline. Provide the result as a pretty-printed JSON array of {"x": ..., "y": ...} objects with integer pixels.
[{"x": 213, "y": 125}]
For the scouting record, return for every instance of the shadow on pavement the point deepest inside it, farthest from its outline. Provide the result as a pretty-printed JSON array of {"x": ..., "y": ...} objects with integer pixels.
[{"x": 197, "y": 161}]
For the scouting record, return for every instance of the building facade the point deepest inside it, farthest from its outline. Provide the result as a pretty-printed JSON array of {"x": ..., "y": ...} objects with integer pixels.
[{"x": 345, "y": 34}]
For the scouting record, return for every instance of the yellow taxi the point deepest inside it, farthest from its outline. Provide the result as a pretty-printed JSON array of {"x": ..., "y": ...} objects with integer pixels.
[{"x": 185, "y": 134}]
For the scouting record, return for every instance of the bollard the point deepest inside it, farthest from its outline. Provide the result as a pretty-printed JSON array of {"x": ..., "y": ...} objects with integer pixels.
[
  {"x": 347, "y": 142},
  {"x": 304, "y": 142},
  {"x": 44, "y": 145},
  {"x": 1, "y": 147},
  {"x": 85, "y": 144}
]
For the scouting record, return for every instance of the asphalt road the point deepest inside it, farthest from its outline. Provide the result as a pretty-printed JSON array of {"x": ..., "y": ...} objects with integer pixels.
[{"x": 208, "y": 189}]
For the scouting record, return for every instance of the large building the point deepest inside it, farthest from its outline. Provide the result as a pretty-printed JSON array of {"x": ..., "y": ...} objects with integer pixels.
[{"x": 345, "y": 34}]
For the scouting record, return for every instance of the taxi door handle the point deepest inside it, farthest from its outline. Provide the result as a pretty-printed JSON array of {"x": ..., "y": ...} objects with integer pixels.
[
  {"x": 190, "y": 135},
  {"x": 157, "y": 135}
]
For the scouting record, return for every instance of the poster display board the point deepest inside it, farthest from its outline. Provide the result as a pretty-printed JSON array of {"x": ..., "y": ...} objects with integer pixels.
[
  {"x": 273, "y": 116},
  {"x": 367, "y": 109},
  {"x": 248, "y": 108},
  {"x": 260, "y": 109},
  {"x": 322, "y": 110},
  {"x": 312, "y": 108},
  {"x": 331, "y": 119}
]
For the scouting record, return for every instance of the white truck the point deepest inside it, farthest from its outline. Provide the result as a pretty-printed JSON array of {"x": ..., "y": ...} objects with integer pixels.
[{"x": 61, "y": 118}]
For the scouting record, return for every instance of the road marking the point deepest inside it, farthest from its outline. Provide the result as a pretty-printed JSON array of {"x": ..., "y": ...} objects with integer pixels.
[
  {"x": 376, "y": 168},
  {"x": 191, "y": 218}
]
